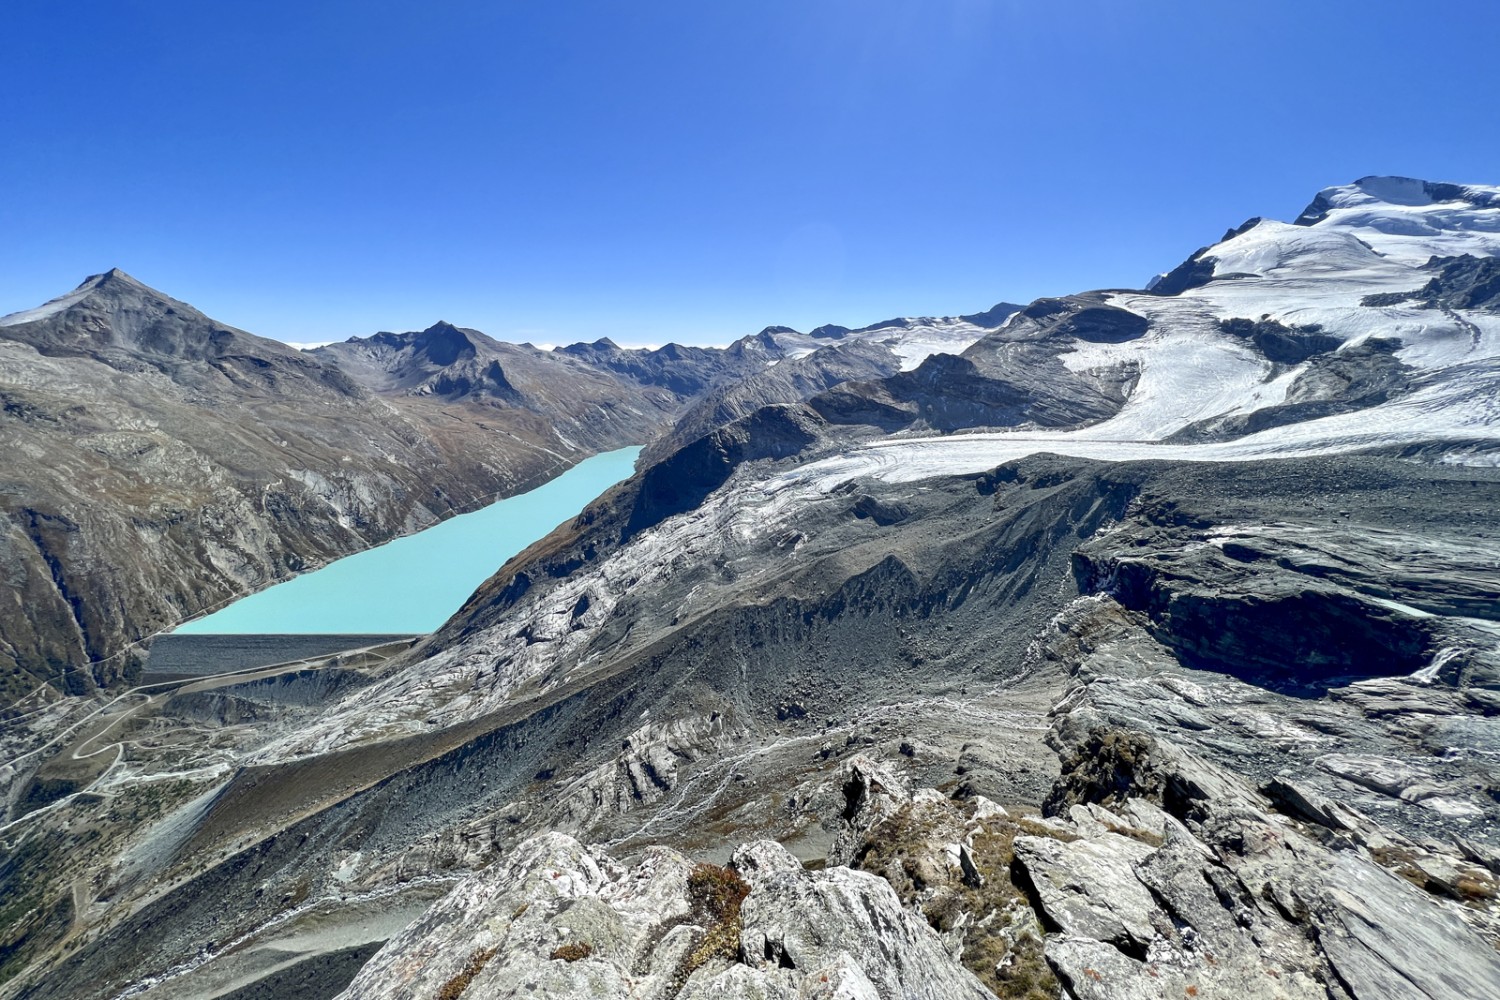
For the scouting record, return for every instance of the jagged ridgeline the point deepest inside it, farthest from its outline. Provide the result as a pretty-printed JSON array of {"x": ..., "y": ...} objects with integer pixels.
[{"x": 1134, "y": 643}]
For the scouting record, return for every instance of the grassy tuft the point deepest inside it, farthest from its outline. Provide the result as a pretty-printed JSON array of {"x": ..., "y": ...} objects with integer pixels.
[
  {"x": 454, "y": 988},
  {"x": 573, "y": 951},
  {"x": 901, "y": 850},
  {"x": 716, "y": 894}
]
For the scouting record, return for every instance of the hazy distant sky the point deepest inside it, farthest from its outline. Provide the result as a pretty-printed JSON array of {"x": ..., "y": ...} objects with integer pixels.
[{"x": 695, "y": 170}]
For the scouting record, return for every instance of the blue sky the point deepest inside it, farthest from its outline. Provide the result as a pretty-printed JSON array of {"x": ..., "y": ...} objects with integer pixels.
[{"x": 695, "y": 170}]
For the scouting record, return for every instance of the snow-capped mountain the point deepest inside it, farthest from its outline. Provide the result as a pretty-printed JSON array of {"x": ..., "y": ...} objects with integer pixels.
[
  {"x": 1260, "y": 345},
  {"x": 912, "y": 339},
  {"x": 1149, "y": 646}
]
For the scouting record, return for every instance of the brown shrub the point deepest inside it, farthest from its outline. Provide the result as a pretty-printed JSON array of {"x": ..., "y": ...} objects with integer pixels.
[
  {"x": 454, "y": 988},
  {"x": 716, "y": 894},
  {"x": 573, "y": 951}
]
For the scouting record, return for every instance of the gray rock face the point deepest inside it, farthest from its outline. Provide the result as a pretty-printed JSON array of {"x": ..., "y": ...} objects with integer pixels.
[
  {"x": 1088, "y": 888},
  {"x": 789, "y": 380},
  {"x": 557, "y": 920},
  {"x": 1463, "y": 282},
  {"x": 1290, "y": 890},
  {"x": 1246, "y": 904},
  {"x": 1013, "y": 376},
  {"x": 1379, "y": 592}
]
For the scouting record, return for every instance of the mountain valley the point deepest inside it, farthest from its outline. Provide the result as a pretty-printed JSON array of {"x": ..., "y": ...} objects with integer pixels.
[{"x": 1126, "y": 644}]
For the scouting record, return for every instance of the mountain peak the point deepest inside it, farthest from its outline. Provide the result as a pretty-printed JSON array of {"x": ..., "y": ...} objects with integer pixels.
[
  {"x": 1396, "y": 191},
  {"x": 993, "y": 317},
  {"x": 443, "y": 343},
  {"x": 113, "y": 279}
]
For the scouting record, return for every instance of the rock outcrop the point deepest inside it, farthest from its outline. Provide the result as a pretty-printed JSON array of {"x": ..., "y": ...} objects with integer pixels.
[{"x": 558, "y": 920}]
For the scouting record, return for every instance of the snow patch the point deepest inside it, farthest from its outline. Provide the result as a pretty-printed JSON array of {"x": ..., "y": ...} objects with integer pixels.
[{"x": 53, "y": 307}]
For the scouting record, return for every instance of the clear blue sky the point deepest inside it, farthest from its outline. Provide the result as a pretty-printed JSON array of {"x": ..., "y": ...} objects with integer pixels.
[{"x": 695, "y": 170}]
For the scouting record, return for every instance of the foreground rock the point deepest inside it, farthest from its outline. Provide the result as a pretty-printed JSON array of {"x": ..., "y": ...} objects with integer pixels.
[
  {"x": 1180, "y": 881},
  {"x": 1273, "y": 888},
  {"x": 555, "y": 919}
]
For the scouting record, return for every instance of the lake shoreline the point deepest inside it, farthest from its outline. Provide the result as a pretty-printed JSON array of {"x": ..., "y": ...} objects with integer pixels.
[{"x": 413, "y": 584}]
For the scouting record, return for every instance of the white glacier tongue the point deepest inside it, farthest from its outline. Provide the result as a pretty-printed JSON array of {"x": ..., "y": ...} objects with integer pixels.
[{"x": 1466, "y": 413}]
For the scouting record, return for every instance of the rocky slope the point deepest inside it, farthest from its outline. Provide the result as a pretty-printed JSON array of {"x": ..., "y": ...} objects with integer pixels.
[
  {"x": 1174, "y": 675},
  {"x": 554, "y": 919},
  {"x": 806, "y": 365}
]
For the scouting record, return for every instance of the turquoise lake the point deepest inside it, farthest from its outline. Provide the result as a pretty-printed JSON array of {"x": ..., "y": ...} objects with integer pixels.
[{"x": 414, "y": 584}]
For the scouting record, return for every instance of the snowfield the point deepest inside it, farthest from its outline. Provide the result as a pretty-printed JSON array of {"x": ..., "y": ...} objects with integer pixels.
[
  {"x": 53, "y": 307},
  {"x": 911, "y": 340}
]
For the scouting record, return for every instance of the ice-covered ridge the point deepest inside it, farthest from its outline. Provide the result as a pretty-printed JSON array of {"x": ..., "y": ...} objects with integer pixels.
[
  {"x": 1371, "y": 237},
  {"x": 1412, "y": 220},
  {"x": 911, "y": 340},
  {"x": 1463, "y": 410},
  {"x": 1272, "y": 247},
  {"x": 1408, "y": 192},
  {"x": 1191, "y": 370}
]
